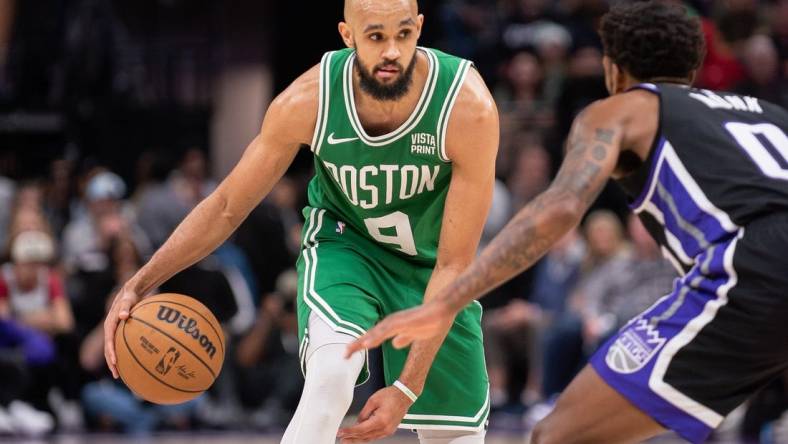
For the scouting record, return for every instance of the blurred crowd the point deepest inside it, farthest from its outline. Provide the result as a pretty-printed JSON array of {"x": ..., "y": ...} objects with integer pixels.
[{"x": 74, "y": 230}]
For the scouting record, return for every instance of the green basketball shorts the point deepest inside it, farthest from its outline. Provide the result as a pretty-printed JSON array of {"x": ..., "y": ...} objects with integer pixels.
[{"x": 351, "y": 283}]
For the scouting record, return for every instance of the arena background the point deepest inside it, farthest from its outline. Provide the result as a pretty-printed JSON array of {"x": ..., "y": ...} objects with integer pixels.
[{"x": 118, "y": 116}]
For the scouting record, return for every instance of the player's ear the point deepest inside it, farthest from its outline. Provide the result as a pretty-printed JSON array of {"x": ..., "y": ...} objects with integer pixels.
[
  {"x": 618, "y": 78},
  {"x": 347, "y": 34},
  {"x": 693, "y": 75},
  {"x": 419, "y": 23}
]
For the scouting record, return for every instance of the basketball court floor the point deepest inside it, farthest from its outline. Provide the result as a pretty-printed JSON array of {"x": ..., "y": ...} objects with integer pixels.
[{"x": 224, "y": 438}]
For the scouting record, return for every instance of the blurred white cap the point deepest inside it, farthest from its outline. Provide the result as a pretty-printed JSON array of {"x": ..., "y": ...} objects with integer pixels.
[
  {"x": 32, "y": 246},
  {"x": 105, "y": 185}
]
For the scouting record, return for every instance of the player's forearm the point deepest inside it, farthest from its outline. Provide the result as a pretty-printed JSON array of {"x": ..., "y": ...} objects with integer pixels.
[
  {"x": 525, "y": 239},
  {"x": 201, "y": 232},
  {"x": 422, "y": 353}
]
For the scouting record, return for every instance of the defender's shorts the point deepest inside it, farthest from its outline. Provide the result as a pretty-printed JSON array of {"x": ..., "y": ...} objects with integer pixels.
[
  {"x": 352, "y": 283},
  {"x": 720, "y": 336}
]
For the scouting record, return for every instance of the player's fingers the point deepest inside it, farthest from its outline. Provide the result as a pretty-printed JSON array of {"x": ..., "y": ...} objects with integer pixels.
[
  {"x": 124, "y": 307},
  {"x": 110, "y": 325},
  {"x": 361, "y": 430},
  {"x": 371, "y": 339},
  {"x": 368, "y": 409},
  {"x": 402, "y": 340}
]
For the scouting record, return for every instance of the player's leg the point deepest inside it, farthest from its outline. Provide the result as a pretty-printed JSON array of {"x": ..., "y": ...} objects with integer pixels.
[
  {"x": 328, "y": 390},
  {"x": 694, "y": 356},
  {"x": 451, "y": 437},
  {"x": 589, "y": 411},
  {"x": 332, "y": 310}
]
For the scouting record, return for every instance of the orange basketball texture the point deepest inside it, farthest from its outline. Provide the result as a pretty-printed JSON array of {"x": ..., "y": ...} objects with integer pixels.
[{"x": 170, "y": 349}]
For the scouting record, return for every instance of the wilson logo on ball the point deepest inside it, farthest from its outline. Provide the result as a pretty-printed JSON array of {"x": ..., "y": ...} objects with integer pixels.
[{"x": 188, "y": 325}]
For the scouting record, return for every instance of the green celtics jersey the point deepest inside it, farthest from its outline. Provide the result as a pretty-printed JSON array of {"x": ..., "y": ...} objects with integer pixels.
[{"x": 391, "y": 188}]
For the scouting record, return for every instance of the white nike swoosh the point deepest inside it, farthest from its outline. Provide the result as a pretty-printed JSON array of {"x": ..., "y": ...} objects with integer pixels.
[{"x": 333, "y": 141}]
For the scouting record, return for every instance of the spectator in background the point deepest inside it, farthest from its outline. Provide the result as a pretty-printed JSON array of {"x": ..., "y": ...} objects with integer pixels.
[
  {"x": 267, "y": 358},
  {"x": 162, "y": 200},
  {"x": 584, "y": 83},
  {"x": 89, "y": 289},
  {"x": 519, "y": 98},
  {"x": 532, "y": 172},
  {"x": 557, "y": 275},
  {"x": 643, "y": 277},
  {"x": 85, "y": 239},
  {"x": 33, "y": 302},
  {"x": 191, "y": 177},
  {"x": 23, "y": 351},
  {"x": 499, "y": 214},
  {"x": 270, "y": 235},
  {"x": 7, "y": 193},
  {"x": 779, "y": 22},
  {"x": 30, "y": 290},
  {"x": 721, "y": 69},
  {"x": 570, "y": 340},
  {"x": 763, "y": 71},
  {"x": 470, "y": 31},
  {"x": 58, "y": 192}
]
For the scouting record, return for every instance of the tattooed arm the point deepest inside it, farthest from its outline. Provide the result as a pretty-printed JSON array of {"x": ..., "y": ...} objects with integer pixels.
[
  {"x": 593, "y": 148},
  {"x": 591, "y": 156}
]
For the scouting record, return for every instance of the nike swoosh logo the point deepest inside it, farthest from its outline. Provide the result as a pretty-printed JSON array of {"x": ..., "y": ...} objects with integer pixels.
[{"x": 333, "y": 141}]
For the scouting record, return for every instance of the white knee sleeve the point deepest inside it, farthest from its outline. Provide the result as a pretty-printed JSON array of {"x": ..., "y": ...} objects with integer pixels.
[
  {"x": 451, "y": 437},
  {"x": 328, "y": 390}
]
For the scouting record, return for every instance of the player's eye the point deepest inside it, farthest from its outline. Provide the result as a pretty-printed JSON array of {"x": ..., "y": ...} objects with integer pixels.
[
  {"x": 376, "y": 37},
  {"x": 405, "y": 33}
]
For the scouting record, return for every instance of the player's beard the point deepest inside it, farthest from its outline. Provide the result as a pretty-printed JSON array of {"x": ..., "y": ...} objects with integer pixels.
[{"x": 381, "y": 91}]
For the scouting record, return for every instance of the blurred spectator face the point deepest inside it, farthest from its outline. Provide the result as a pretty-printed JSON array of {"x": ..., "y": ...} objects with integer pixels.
[
  {"x": 103, "y": 194},
  {"x": 30, "y": 196},
  {"x": 604, "y": 234},
  {"x": 524, "y": 72},
  {"x": 384, "y": 34},
  {"x": 586, "y": 62},
  {"x": 193, "y": 165},
  {"x": 569, "y": 240},
  {"x": 533, "y": 169},
  {"x": 27, "y": 219},
  {"x": 30, "y": 251},
  {"x": 111, "y": 225},
  {"x": 532, "y": 8},
  {"x": 284, "y": 194},
  {"x": 761, "y": 59},
  {"x": 641, "y": 239},
  {"x": 125, "y": 257}
]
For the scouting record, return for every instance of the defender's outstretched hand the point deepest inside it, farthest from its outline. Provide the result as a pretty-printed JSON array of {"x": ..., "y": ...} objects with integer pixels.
[{"x": 427, "y": 321}]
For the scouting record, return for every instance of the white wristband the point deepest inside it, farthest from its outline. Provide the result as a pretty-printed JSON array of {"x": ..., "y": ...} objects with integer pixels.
[{"x": 404, "y": 389}]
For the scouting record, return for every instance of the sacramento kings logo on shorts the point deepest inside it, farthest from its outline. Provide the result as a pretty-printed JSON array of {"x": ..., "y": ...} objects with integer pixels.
[{"x": 634, "y": 347}]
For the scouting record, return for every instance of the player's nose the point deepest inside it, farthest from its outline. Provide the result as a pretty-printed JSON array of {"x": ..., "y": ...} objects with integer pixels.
[{"x": 391, "y": 53}]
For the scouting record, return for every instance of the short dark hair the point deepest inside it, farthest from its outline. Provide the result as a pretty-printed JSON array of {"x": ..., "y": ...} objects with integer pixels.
[{"x": 653, "y": 39}]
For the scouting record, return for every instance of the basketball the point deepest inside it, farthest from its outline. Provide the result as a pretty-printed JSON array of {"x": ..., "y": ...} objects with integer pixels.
[{"x": 170, "y": 349}]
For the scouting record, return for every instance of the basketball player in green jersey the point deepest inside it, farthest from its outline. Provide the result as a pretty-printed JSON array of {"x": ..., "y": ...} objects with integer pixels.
[{"x": 404, "y": 139}]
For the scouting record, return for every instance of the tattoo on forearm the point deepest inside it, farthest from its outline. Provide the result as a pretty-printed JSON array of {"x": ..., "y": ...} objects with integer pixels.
[
  {"x": 605, "y": 135},
  {"x": 531, "y": 233}
]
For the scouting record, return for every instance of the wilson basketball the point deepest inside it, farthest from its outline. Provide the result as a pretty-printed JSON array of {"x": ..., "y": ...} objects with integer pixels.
[{"x": 170, "y": 349}]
